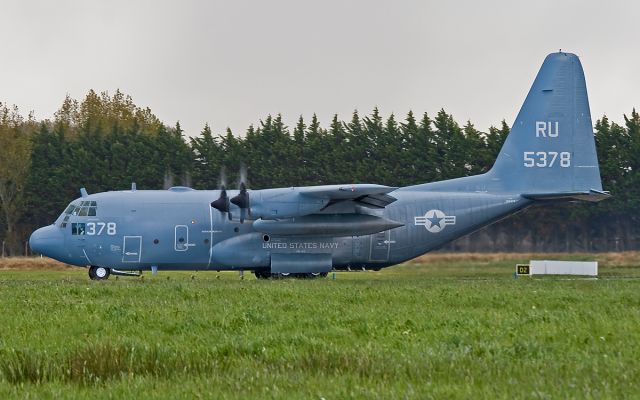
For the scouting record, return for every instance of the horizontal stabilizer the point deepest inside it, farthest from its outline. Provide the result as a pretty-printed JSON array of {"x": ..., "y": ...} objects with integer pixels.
[{"x": 589, "y": 195}]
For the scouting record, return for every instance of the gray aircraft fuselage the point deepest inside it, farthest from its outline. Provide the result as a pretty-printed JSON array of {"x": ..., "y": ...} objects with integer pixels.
[
  {"x": 178, "y": 229},
  {"x": 548, "y": 156}
]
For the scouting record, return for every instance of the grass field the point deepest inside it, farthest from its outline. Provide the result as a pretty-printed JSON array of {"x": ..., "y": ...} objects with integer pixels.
[{"x": 444, "y": 326}]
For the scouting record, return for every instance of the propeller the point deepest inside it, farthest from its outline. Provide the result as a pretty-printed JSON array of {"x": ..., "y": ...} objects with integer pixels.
[
  {"x": 242, "y": 199},
  {"x": 222, "y": 203},
  {"x": 243, "y": 202}
]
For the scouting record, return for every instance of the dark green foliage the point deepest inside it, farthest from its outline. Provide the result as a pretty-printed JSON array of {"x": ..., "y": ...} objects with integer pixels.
[{"x": 106, "y": 142}]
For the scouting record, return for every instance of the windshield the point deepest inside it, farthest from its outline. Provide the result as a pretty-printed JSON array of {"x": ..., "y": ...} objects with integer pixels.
[{"x": 80, "y": 209}]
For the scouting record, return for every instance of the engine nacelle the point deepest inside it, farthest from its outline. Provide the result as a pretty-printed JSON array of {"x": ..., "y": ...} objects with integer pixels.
[{"x": 326, "y": 225}]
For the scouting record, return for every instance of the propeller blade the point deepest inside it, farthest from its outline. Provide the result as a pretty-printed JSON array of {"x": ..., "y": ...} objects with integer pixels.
[
  {"x": 221, "y": 203},
  {"x": 242, "y": 201}
]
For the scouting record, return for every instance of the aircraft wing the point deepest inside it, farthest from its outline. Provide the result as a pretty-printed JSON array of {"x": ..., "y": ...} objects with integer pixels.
[
  {"x": 367, "y": 194},
  {"x": 336, "y": 199},
  {"x": 331, "y": 210}
]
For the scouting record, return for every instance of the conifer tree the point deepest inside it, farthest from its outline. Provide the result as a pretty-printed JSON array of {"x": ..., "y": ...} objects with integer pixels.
[
  {"x": 338, "y": 159},
  {"x": 15, "y": 160},
  {"x": 207, "y": 159}
]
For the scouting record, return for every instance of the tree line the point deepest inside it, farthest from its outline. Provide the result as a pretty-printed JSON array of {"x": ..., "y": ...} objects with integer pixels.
[{"x": 106, "y": 142}]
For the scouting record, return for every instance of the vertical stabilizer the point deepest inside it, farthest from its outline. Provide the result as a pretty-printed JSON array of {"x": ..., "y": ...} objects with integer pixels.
[{"x": 551, "y": 147}]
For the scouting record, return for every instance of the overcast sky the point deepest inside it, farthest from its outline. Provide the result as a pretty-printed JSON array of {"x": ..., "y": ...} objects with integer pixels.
[{"x": 231, "y": 63}]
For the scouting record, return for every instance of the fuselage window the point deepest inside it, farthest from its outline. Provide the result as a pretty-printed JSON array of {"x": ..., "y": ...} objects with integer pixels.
[{"x": 78, "y": 228}]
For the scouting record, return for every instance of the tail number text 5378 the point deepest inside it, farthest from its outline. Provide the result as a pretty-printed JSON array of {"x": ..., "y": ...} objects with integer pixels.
[{"x": 544, "y": 159}]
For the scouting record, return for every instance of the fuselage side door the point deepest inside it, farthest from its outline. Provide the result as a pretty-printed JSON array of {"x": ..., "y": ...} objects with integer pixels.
[
  {"x": 380, "y": 246},
  {"x": 181, "y": 238},
  {"x": 132, "y": 249}
]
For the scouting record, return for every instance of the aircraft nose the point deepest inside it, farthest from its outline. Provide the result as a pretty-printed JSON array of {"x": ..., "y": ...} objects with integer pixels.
[{"x": 48, "y": 241}]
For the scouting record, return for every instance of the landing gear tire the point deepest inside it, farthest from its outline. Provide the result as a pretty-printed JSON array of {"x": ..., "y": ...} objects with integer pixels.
[
  {"x": 262, "y": 274},
  {"x": 99, "y": 273},
  {"x": 314, "y": 275},
  {"x": 266, "y": 274}
]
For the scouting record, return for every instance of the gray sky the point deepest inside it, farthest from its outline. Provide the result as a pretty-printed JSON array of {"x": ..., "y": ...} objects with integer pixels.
[{"x": 230, "y": 63}]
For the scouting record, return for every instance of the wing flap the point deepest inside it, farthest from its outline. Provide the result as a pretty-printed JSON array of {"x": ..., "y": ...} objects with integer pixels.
[{"x": 377, "y": 200}]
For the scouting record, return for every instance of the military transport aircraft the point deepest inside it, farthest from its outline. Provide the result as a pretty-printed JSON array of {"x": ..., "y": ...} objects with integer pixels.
[{"x": 549, "y": 156}]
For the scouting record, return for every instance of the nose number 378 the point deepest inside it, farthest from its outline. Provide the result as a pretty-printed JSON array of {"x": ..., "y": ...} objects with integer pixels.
[{"x": 97, "y": 228}]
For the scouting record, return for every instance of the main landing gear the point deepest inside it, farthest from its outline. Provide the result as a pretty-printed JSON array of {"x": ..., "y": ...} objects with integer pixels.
[{"x": 266, "y": 274}]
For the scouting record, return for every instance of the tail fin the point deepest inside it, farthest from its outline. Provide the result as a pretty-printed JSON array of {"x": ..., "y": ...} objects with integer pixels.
[{"x": 550, "y": 152}]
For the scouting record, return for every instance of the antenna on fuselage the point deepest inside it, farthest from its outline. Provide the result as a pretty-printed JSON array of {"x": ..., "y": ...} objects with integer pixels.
[
  {"x": 83, "y": 192},
  {"x": 133, "y": 186}
]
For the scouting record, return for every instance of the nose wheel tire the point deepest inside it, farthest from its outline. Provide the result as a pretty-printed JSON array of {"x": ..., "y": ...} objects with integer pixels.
[{"x": 99, "y": 273}]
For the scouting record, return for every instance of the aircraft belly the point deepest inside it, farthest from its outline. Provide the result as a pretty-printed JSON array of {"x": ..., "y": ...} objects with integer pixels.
[{"x": 256, "y": 250}]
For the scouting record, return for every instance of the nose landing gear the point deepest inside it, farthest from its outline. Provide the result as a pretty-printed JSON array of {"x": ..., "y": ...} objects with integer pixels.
[{"x": 99, "y": 273}]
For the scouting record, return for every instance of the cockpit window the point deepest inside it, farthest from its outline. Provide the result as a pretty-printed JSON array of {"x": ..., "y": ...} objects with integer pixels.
[
  {"x": 86, "y": 208},
  {"x": 81, "y": 209}
]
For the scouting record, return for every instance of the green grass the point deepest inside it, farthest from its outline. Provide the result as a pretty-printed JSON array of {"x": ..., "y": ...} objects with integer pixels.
[{"x": 447, "y": 329}]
